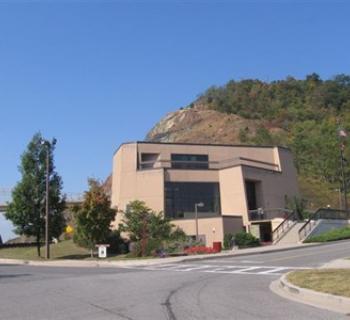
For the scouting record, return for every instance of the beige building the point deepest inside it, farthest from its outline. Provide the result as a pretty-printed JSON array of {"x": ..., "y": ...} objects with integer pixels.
[{"x": 233, "y": 187}]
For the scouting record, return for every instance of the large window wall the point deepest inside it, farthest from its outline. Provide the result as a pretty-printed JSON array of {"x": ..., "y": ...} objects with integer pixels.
[{"x": 181, "y": 197}]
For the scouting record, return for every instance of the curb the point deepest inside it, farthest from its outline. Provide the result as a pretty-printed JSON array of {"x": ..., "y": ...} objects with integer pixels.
[
  {"x": 327, "y": 301},
  {"x": 141, "y": 263}
]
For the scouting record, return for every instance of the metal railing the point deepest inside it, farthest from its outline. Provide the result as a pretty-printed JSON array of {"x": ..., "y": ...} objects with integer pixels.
[
  {"x": 205, "y": 165},
  {"x": 288, "y": 222},
  {"x": 268, "y": 214},
  {"x": 322, "y": 213}
]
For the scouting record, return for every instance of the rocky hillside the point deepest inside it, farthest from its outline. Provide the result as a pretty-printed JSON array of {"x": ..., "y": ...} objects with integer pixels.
[{"x": 199, "y": 124}]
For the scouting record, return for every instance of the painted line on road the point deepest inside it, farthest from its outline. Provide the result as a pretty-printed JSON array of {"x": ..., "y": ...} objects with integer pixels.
[{"x": 274, "y": 271}]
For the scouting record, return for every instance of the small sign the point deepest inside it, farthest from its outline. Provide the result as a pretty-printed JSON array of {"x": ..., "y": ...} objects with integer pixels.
[{"x": 102, "y": 250}]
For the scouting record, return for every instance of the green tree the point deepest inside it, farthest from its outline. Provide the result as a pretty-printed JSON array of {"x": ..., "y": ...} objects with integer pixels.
[
  {"x": 144, "y": 226},
  {"x": 298, "y": 205},
  {"x": 27, "y": 208},
  {"x": 94, "y": 217}
]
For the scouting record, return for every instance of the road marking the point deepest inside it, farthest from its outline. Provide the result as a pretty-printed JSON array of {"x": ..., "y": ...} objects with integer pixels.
[
  {"x": 251, "y": 261},
  {"x": 223, "y": 269},
  {"x": 246, "y": 270},
  {"x": 274, "y": 271}
]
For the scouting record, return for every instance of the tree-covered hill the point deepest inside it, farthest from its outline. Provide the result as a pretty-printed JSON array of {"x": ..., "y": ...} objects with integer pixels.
[
  {"x": 304, "y": 115},
  {"x": 309, "y": 112}
]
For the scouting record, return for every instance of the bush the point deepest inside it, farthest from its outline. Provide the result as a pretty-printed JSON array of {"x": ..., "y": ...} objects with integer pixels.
[
  {"x": 152, "y": 247},
  {"x": 333, "y": 235},
  {"x": 245, "y": 240},
  {"x": 116, "y": 243},
  {"x": 228, "y": 240},
  {"x": 149, "y": 231}
]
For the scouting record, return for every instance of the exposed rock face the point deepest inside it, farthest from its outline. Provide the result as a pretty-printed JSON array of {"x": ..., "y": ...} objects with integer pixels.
[{"x": 200, "y": 125}]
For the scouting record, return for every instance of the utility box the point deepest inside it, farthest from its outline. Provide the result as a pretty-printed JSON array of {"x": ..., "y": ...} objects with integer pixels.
[{"x": 102, "y": 250}]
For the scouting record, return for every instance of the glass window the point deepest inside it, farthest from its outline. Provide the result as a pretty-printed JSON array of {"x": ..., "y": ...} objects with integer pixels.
[
  {"x": 189, "y": 161},
  {"x": 181, "y": 197}
]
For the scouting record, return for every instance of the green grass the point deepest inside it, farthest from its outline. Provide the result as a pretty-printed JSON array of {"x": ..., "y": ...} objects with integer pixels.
[
  {"x": 63, "y": 250},
  {"x": 333, "y": 235},
  {"x": 333, "y": 281}
]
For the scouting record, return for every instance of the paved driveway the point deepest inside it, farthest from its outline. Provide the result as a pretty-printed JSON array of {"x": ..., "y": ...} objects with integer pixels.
[{"x": 227, "y": 288}]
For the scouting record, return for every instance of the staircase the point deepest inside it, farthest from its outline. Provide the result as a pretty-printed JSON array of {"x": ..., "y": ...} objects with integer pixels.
[{"x": 292, "y": 235}]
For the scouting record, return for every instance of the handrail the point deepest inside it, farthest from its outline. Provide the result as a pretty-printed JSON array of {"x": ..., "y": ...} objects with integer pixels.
[
  {"x": 321, "y": 213},
  {"x": 281, "y": 228},
  {"x": 216, "y": 165},
  {"x": 267, "y": 214}
]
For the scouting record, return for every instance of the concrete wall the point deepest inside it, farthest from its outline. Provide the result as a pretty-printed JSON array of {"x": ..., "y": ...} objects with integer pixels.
[
  {"x": 128, "y": 184},
  {"x": 232, "y": 190},
  {"x": 275, "y": 186},
  {"x": 212, "y": 228},
  {"x": 232, "y": 224},
  {"x": 216, "y": 153},
  {"x": 191, "y": 175},
  {"x": 327, "y": 225}
]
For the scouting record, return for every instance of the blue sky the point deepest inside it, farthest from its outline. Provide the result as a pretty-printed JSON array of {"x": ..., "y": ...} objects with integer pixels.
[{"x": 96, "y": 73}]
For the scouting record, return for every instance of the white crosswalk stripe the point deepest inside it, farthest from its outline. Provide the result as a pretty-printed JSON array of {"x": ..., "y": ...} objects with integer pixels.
[{"x": 224, "y": 269}]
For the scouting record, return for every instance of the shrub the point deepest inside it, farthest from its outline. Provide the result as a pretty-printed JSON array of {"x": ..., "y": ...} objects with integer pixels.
[
  {"x": 116, "y": 243},
  {"x": 228, "y": 240},
  {"x": 244, "y": 240},
  {"x": 147, "y": 247},
  {"x": 150, "y": 231},
  {"x": 332, "y": 235}
]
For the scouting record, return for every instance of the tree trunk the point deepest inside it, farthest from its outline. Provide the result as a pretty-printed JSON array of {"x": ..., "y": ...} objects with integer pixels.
[{"x": 92, "y": 252}]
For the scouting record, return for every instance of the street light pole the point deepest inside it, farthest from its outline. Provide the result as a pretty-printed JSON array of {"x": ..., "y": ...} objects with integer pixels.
[
  {"x": 47, "y": 216},
  {"x": 47, "y": 146},
  {"x": 196, "y": 206}
]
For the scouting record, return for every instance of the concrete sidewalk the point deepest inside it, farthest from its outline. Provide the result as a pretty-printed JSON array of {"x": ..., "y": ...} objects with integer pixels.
[
  {"x": 337, "y": 264},
  {"x": 317, "y": 299},
  {"x": 156, "y": 261}
]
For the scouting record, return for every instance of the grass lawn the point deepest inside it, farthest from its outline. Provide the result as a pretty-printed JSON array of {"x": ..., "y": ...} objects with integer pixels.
[
  {"x": 334, "y": 281},
  {"x": 333, "y": 235},
  {"x": 63, "y": 250}
]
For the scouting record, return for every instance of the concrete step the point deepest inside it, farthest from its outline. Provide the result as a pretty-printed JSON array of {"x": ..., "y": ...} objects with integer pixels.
[{"x": 292, "y": 235}]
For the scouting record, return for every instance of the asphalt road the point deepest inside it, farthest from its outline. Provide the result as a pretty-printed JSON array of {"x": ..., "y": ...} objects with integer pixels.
[{"x": 226, "y": 288}]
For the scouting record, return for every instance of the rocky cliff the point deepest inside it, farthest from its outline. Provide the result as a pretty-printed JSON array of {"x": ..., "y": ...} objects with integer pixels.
[{"x": 199, "y": 124}]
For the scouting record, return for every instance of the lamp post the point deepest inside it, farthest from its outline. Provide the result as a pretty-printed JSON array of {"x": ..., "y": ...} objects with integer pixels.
[
  {"x": 47, "y": 190},
  {"x": 47, "y": 196},
  {"x": 196, "y": 206}
]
